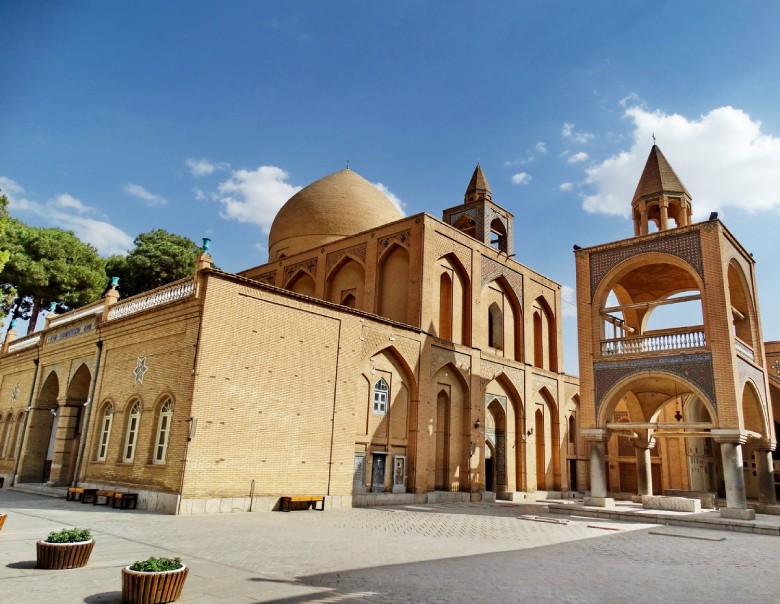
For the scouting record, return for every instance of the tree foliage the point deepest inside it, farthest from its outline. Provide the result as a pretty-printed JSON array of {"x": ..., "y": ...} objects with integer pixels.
[
  {"x": 50, "y": 265},
  {"x": 158, "y": 257},
  {"x": 7, "y": 291}
]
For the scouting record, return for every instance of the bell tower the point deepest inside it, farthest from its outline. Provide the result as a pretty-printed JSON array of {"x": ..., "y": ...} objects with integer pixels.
[
  {"x": 480, "y": 218},
  {"x": 672, "y": 370},
  {"x": 660, "y": 197}
]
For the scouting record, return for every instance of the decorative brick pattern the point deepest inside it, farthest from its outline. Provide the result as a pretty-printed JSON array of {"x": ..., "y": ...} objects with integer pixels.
[
  {"x": 310, "y": 266},
  {"x": 269, "y": 277},
  {"x": 749, "y": 371},
  {"x": 402, "y": 237},
  {"x": 542, "y": 381},
  {"x": 492, "y": 270},
  {"x": 491, "y": 370},
  {"x": 356, "y": 251},
  {"x": 443, "y": 245},
  {"x": 686, "y": 246},
  {"x": 441, "y": 356},
  {"x": 693, "y": 368}
]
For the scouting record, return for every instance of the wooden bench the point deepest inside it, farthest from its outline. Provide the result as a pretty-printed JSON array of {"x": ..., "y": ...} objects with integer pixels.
[
  {"x": 74, "y": 494},
  {"x": 125, "y": 501},
  {"x": 107, "y": 495},
  {"x": 309, "y": 500}
]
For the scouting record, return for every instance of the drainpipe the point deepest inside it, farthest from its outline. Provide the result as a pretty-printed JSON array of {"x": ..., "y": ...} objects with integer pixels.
[
  {"x": 26, "y": 420},
  {"x": 90, "y": 403}
]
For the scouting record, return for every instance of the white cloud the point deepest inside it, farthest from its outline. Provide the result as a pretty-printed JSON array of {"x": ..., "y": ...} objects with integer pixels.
[
  {"x": 396, "y": 202},
  {"x": 200, "y": 194},
  {"x": 255, "y": 196},
  {"x": 567, "y": 186},
  {"x": 66, "y": 212},
  {"x": 150, "y": 198},
  {"x": 569, "y": 132},
  {"x": 568, "y": 301},
  {"x": 107, "y": 238},
  {"x": 540, "y": 148},
  {"x": 204, "y": 167},
  {"x": 578, "y": 157},
  {"x": 722, "y": 157},
  {"x": 521, "y": 178}
]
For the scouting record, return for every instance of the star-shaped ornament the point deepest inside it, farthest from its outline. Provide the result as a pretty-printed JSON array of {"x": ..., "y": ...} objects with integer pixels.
[
  {"x": 15, "y": 392},
  {"x": 140, "y": 369}
]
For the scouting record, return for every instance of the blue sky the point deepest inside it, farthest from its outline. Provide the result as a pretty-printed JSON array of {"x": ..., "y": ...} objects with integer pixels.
[{"x": 203, "y": 117}]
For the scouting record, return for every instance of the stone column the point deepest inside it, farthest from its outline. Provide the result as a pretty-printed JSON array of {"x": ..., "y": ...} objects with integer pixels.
[
  {"x": 731, "y": 442},
  {"x": 664, "y": 207},
  {"x": 766, "y": 482},
  {"x": 644, "y": 475},
  {"x": 597, "y": 437}
]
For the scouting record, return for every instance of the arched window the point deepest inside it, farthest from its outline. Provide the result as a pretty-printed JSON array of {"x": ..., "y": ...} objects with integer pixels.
[
  {"x": 572, "y": 429},
  {"x": 133, "y": 419},
  {"x": 105, "y": 431},
  {"x": 495, "y": 327},
  {"x": 445, "y": 306},
  {"x": 381, "y": 393},
  {"x": 163, "y": 432}
]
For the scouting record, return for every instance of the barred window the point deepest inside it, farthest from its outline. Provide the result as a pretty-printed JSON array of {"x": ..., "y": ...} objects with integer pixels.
[{"x": 381, "y": 392}]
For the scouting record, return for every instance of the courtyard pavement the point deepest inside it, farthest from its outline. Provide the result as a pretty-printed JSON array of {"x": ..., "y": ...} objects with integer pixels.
[{"x": 467, "y": 552}]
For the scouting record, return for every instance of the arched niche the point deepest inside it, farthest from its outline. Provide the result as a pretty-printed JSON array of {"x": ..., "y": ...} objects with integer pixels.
[
  {"x": 346, "y": 283},
  {"x": 392, "y": 284},
  {"x": 453, "y": 322},
  {"x": 500, "y": 293},
  {"x": 302, "y": 283}
]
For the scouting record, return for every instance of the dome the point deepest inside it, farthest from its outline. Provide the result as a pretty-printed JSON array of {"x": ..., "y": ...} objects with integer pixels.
[{"x": 331, "y": 208}]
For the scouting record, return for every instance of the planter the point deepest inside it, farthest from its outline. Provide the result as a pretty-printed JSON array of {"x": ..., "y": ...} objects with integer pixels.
[
  {"x": 152, "y": 587},
  {"x": 57, "y": 556},
  {"x": 2, "y": 520}
]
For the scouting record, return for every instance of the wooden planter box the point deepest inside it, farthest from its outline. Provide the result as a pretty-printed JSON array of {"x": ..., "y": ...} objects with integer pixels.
[
  {"x": 152, "y": 588},
  {"x": 2, "y": 520},
  {"x": 57, "y": 556}
]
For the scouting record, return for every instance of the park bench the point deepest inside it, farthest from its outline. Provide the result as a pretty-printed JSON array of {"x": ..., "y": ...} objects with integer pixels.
[
  {"x": 74, "y": 494},
  {"x": 309, "y": 500},
  {"x": 125, "y": 501}
]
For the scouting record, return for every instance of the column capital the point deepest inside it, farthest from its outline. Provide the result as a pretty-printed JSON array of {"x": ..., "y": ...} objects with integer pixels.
[
  {"x": 595, "y": 434},
  {"x": 730, "y": 435}
]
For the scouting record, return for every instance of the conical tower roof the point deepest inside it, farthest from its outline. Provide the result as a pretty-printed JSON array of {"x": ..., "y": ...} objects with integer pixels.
[
  {"x": 658, "y": 177},
  {"x": 478, "y": 186}
]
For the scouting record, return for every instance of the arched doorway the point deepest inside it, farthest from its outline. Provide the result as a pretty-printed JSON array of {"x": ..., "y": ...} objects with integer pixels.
[
  {"x": 35, "y": 463},
  {"x": 495, "y": 432}
]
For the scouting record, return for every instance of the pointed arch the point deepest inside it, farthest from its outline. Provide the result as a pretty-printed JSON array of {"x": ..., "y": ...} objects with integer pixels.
[
  {"x": 346, "y": 282},
  {"x": 545, "y": 336},
  {"x": 78, "y": 387},
  {"x": 500, "y": 291},
  {"x": 392, "y": 284},
  {"x": 449, "y": 442},
  {"x": 453, "y": 322},
  {"x": 302, "y": 282},
  {"x": 742, "y": 305},
  {"x": 502, "y": 387}
]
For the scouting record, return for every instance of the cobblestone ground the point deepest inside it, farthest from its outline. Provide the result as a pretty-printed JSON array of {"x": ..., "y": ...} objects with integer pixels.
[{"x": 422, "y": 553}]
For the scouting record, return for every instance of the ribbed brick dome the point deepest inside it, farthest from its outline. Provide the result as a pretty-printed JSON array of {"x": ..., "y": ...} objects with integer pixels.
[{"x": 331, "y": 208}]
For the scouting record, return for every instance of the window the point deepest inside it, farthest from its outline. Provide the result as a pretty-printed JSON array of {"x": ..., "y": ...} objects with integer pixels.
[
  {"x": 381, "y": 391},
  {"x": 163, "y": 431},
  {"x": 132, "y": 431},
  {"x": 105, "y": 431},
  {"x": 495, "y": 327}
]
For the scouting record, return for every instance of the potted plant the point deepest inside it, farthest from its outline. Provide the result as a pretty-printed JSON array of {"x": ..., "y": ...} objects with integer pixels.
[
  {"x": 68, "y": 548},
  {"x": 153, "y": 581}
]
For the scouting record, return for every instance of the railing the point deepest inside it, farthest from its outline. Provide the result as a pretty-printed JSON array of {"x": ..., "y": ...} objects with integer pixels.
[
  {"x": 75, "y": 315},
  {"x": 677, "y": 340},
  {"x": 25, "y": 343},
  {"x": 163, "y": 295},
  {"x": 744, "y": 350}
]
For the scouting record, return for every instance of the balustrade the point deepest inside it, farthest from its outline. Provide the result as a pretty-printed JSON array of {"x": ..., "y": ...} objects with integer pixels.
[
  {"x": 677, "y": 340},
  {"x": 177, "y": 291}
]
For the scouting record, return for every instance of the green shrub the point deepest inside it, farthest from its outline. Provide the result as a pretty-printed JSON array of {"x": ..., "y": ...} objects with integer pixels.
[
  {"x": 156, "y": 565},
  {"x": 69, "y": 535}
]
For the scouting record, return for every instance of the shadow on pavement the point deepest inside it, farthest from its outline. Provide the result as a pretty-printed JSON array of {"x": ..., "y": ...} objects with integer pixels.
[{"x": 106, "y": 596}]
